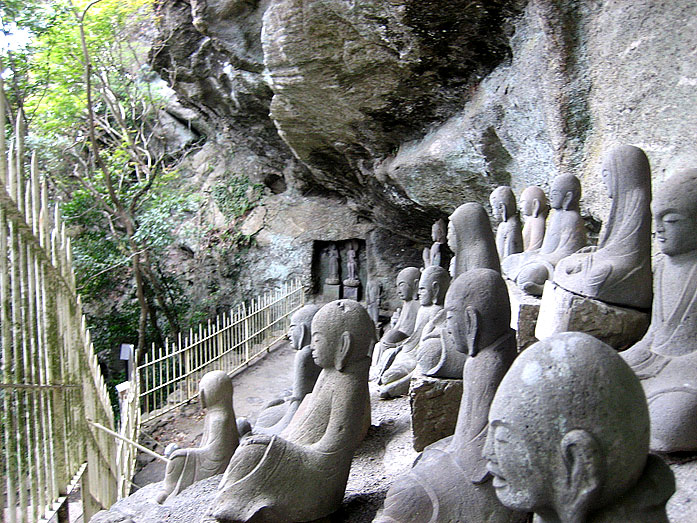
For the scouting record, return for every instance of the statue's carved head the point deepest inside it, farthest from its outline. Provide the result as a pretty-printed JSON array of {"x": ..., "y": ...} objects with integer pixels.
[
  {"x": 433, "y": 285},
  {"x": 623, "y": 168},
  {"x": 568, "y": 428},
  {"x": 503, "y": 203},
  {"x": 533, "y": 202},
  {"x": 477, "y": 311},
  {"x": 675, "y": 213},
  {"x": 342, "y": 333},
  {"x": 408, "y": 283},
  {"x": 565, "y": 192},
  {"x": 215, "y": 390},
  {"x": 300, "y": 322}
]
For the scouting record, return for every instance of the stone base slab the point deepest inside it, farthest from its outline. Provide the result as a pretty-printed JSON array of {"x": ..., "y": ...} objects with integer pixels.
[
  {"x": 351, "y": 293},
  {"x": 434, "y": 406},
  {"x": 331, "y": 292},
  {"x": 562, "y": 311},
  {"x": 524, "y": 311}
]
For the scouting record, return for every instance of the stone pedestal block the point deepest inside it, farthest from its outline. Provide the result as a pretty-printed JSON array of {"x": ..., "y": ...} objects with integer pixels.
[
  {"x": 524, "y": 311},
  {"x": 561, "y": 311},
  {"x": 331, "y": 292},
  {"x": 350, "y": 293},
  {"x": 434, "y": 405}
]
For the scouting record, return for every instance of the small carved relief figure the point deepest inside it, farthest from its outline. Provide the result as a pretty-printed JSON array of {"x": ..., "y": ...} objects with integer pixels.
[
  {"x": 407, "y": 290},
  {"x": 373, "y": 300},
  {"x": 398, "y": 363},
  {"x": 218, "y": 443},
  {"x": 666, "y": 357},
  {"x": 301, "y": 474},
  {"x": 434, "y": 255},
  {"x": 471, "y": 239},
  {"x": 352, "y": 266},
  {"x": 565, "y": 235},
  {"x": 618, "y": 270},
  {"x": 333, "y": 265},
  {"x": 535, "y": 208},
  {"x": 449, "y": 480},
  {"x": 509, "y": 236},
  {"x": 277, "y": 414},
  {"x": 569, "y": 437}
]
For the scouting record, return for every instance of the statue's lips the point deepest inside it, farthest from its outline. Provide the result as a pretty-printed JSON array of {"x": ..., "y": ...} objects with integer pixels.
[{"x": 498, "y": 480}]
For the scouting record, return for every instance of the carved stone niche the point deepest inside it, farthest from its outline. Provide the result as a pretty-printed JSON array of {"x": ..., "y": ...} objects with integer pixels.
[{"x": 322, "y": 270}]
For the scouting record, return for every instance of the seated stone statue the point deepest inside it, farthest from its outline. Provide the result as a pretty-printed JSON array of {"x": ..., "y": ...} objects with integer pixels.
[
  {"x": 435, "y": 255},
  {"x": 618, "y": 270},
  {"x": 218, "y": 443},
  {"x": 569, "y": 437},
  {"x": 666, "y": 357},
  {"x": 449, "y": 480},
  {"x": 407, "y": 290},
  {"x": 509, "y": 235},
  {"x": 437, "y": 355},
  {"x": 565, "y": 235},
  {"x": 398, "y": 363},
  {"x": 469, "y": 230},
  {"x": 276, "y": 415},
  {"x": 533, "y": 204},
  {"x": 301, "y": 474}
]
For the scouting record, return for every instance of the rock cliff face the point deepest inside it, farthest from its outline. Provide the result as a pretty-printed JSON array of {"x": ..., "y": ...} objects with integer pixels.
[{"x": 401, "y": 110}]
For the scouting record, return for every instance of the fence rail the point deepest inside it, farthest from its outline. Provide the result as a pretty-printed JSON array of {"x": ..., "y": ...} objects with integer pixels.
[
  {"x": 169, "y": 375},
  {"x": 51, "y": 384}
]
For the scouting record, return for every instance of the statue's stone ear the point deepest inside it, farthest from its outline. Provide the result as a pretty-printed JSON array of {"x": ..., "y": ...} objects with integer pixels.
[
  {"x": 343, "y": 351},
  {"x": 536, "y": 207},
  {"x": 504, "y": 212},
  {"x": 472, "y": 330},
  {"x": 566, "y": 202},
  {"x": 435, "y": 287},
  {"x": 305, "y": 335},
  {"x": 584, "y": 473}
]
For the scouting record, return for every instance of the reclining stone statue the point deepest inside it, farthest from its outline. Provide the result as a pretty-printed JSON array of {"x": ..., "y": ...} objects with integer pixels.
[
  {"x": 434, "y": 254},
  {"x": 218, "y": 443},
  {"x": 301, "y": 474},
  {"x": 618, "y": 270},
  {"x": 276, "y": 415},
  {"x": 469, "y": 241},
  {"x": 407, "y": 290},
  {"x": 449, "y": 480},
  {"x": 569, "y": 437},
  {"x": 565, "y": 235},
  {"x": 666, "y": 357},
  {"x": 438, "y": 356},
  {"x": 398, "y": 363},
  {"x": 534, "y": 206},
  {"x": 509, "y": 235}
]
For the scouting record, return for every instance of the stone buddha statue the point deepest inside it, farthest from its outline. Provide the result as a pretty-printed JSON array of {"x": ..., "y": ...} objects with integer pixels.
[
  {"x": 569, "y": 437},
  {"x": 434, "y": 254},
  {"x": 535, "y": 208},
  {"x": 665, "y": 359},
  {"x": 565, "y": 235},
  {"x": 469, "y": 230},
  {"x": 449, "y": 480},
  {"x": 301, "y": 474},
  {"x": 407, "y": 290},
  {"x": 509, "y": 236},
  {"x": 618, "y": 270},
  {"x": 398, "y": 363},
  {"x": 218, "y": 443},
  {"x": 276, "y": 415}
]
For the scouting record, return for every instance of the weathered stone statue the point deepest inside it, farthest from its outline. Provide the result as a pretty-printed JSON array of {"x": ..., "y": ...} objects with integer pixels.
[
  {"x": 618, "y": 270},
  {"x": 352, "y": 267},
  {"x": 471, "y": 239},
  {"x": 301, "y": 475},
  {"x": 398, "y": 363},
  {"x": 509, "y": 236},
  {"x": 277, "y": 414},
  {"x": 666, "y": 358},
  {"x": 407, "y": 290},
  {"x": 565, "y": 235},
  {"x": 434, "y": 254},
  {"x": 333, "y": 265},
  {"x": 569, "y": 436},
  {"x": 449, "y": 480},
  {"x": 373, "y": 300},
  {"x": 535, "y": 208},
  {"x": 218, "y": 443}
]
